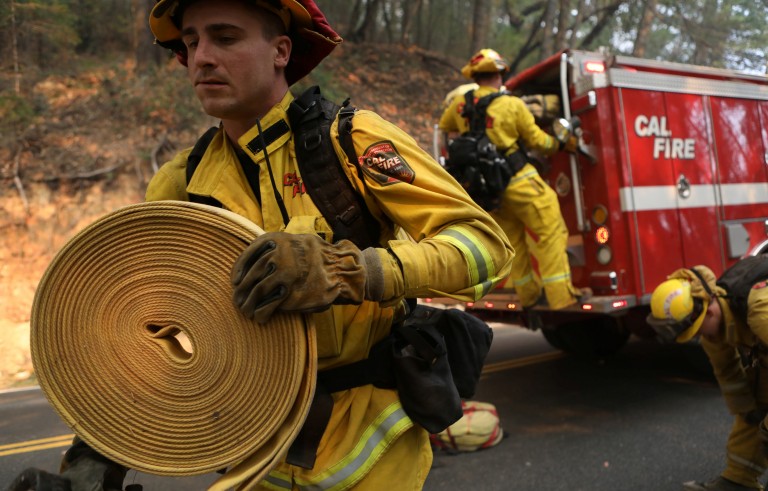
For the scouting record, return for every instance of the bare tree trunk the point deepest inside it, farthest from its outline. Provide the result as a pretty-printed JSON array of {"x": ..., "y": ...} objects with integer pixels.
[
  {"x": 15, "y": 50},
  {"x": 365, "y": 30},
  {"x": 564, "y": 12},
  {"x": 388, "y": 21},
  {"x": 603, "y": 17},
  {"x": 548, "y": 35},
  {"x": 479, "y": 28},
  {"x": 706, "y": 46},
  {"x": 409, "y": 8},
  {"x": 644, "y": 28},
  {"x": 146, "y": 54}
]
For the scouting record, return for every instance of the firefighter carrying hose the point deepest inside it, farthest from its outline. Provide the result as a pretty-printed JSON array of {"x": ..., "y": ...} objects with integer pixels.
[
  {"x": 730, "y": 315},
  {"x": 242, "y": 57},
  {"x": 528, "y": 208}
]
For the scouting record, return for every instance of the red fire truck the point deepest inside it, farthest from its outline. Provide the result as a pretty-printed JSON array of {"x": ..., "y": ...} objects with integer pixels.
[{"x": 673, "y": 173}]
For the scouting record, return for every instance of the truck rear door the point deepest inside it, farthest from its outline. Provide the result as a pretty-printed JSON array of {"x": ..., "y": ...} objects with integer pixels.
[{"x": 669, "y": 190}]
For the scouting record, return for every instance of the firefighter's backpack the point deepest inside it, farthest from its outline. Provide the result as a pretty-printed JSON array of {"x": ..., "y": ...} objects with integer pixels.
[
  {"x": 475, "y": 162},
  {"x": 739, "y": 279},
  {"x": 478, "y": 428},
  {"x": 311, "y": 116}
]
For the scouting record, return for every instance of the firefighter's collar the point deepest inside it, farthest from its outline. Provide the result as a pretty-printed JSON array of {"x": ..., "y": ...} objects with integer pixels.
[{"x": 274, "y": 133}]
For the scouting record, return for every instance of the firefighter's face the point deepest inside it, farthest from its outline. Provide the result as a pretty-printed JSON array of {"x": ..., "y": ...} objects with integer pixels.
[
  {"x": 234, "y": 64},
  {"x": 710, "y": 327}
]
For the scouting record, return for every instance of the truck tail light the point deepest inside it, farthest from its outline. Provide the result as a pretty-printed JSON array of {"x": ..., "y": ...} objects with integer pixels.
[
  {"x": 594, "y": 66},
  {"x": 602, "y": 235}
]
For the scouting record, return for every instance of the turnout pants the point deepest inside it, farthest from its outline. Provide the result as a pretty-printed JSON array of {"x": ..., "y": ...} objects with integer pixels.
[{"x": 529, "y": 203}]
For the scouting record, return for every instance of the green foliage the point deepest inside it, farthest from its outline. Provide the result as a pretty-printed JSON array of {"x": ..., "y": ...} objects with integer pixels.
[
  {"x": 45, "y": 34},
  {"x": 102, "y": 25},
  {"x": 15, "y": 114}
]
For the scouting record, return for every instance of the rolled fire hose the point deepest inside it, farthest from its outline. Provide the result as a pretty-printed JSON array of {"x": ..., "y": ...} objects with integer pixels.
[{"x": 138, "y": 346}]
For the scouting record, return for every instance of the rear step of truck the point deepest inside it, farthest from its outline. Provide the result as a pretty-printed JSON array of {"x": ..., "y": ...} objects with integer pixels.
[{"x": 507, "y": 300}]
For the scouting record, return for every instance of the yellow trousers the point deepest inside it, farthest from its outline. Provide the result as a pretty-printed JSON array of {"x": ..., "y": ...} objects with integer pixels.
[
  {"x": 404, "y": 466},
  {"x": 529, "y": 203},
  {"x": 746, "y": 462}
]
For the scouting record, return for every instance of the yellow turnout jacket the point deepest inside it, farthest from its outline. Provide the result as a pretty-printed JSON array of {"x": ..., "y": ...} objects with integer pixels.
[{"x": 456, "y": 250}]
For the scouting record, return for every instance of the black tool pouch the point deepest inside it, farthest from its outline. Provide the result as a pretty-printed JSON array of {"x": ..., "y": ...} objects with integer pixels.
[
  {"x": 423, "y": 376},
  {"x": 438, "y": 357},
  {"x": 433, "y": 359}
]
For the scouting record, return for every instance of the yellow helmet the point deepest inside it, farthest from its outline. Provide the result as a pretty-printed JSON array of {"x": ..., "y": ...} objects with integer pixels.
[
  {"x": 679, "y": 304},
  {"x": 485, "y": 61}
]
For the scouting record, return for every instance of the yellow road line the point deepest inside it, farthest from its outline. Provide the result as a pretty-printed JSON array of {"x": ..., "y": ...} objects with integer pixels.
[
  {"x": 66, "y": 440},
  {"x": 35, "y": 445},
  {"x": 520, "y": 362}
]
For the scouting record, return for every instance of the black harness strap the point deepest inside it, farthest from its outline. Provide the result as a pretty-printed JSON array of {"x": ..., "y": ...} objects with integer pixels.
[
  {"x": 193, "y": 160},
  {"x": 311, "y": 117}
]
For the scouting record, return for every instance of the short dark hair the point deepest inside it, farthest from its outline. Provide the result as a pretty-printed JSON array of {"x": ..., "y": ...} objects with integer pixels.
[{"x": 483, "y": 76}]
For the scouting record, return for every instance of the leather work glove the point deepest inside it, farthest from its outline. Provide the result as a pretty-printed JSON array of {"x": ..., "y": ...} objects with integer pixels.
[
  {"x": 762, "y": 434},
  {"x": 755, "y": 416},
  {"x": 571, "y": 145},
  {"x": 303, "y": 273}
]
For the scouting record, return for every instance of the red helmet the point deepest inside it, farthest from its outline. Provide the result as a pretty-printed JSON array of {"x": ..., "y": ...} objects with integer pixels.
[{"x": 312, "y": 36}]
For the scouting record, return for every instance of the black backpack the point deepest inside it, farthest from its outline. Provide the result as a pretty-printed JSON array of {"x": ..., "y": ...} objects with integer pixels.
[
  {"x": 739, "y": 279},
  {"x": 311, "y": 116},
  {"x": 475, "y": 162}
]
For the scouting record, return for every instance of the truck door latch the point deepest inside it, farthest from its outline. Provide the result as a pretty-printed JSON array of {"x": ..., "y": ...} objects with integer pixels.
[{"x": 683, "y": 187}]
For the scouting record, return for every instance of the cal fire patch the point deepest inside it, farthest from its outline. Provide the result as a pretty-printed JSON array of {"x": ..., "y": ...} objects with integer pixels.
[{"x": 382, "y": 162}]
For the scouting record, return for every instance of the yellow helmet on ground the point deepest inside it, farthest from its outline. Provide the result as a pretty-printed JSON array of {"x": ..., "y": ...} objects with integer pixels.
[
  {"x": 679, "y": 304},
  {"x": 485, "y": 61}
]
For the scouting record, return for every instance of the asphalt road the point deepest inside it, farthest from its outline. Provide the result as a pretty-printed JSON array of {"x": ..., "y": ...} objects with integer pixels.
[{"x": 647, "y": 418}]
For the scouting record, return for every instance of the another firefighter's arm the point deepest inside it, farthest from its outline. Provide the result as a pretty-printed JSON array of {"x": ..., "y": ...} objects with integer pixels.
[
  {"x": 731, "y": 376},
  {"x": 458, "y": 249},
  {"x": 757, "y": 313},
  {"x": 534, "y": 137},
  {"x": 449, "y": 119}
]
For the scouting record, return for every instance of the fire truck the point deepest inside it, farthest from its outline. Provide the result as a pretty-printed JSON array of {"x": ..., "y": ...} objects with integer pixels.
[{"x": 672, "y": 172}]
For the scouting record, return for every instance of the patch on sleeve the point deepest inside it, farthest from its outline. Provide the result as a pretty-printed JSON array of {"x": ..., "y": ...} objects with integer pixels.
[
  {"x": 759, "y": 285},
  {"x": 382, "y": 162}
]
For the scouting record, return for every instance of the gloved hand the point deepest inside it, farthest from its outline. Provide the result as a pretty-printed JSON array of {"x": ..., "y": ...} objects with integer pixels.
[
  {"x": 762, "y": 434},
  {"x": 303, "y": 273},
  {"x": 755, "y": 416},
  {"x": 571, "y": 145}
]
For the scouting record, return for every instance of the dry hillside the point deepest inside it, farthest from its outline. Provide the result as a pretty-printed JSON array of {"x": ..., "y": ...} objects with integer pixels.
[{"x": 91, "y": 146}]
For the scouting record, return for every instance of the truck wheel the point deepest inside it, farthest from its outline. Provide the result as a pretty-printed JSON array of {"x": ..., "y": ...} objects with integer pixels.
[
  {"x": 552, "y": 335},
  {"x": 594, "y": 338}
]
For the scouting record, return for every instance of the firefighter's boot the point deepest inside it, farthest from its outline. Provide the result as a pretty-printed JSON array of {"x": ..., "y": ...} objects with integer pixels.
[
  {"x": 84, "y": 474},
  {"x": 717, "y": 484},
  {"x": 87, "y": 470},
  {"x": 33, "y": 479}
]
